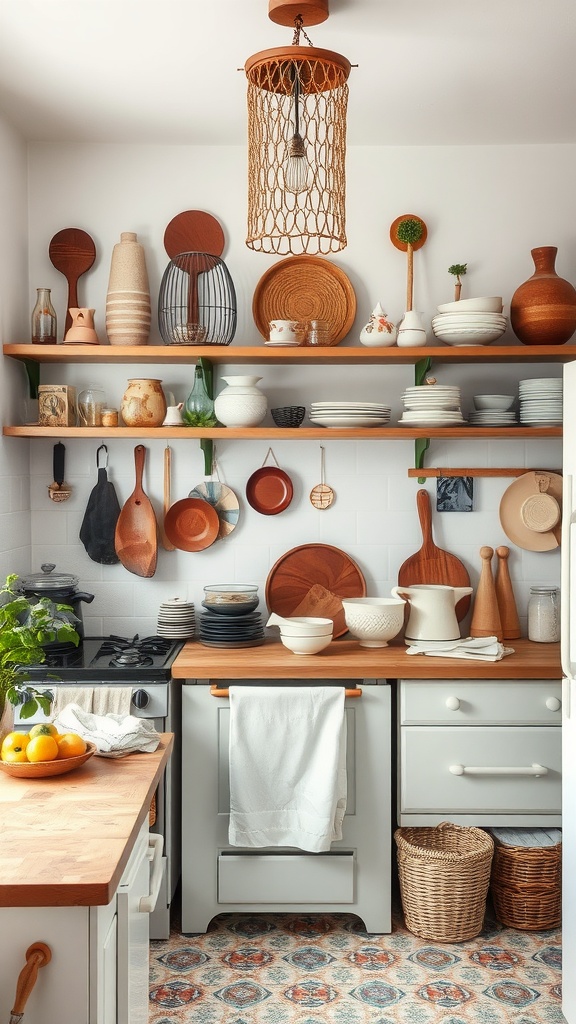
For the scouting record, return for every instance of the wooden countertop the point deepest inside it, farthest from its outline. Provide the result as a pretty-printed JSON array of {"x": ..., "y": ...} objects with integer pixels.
[
  {"x": 65, "y": 841},
  {"x": 345, "y": 659}
]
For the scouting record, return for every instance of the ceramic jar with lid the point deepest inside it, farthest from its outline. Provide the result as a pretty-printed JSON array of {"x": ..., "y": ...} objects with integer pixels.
[
  {"x": 241, "y": 404},
  {"x": 143, "y": 403},
  {"x": 544, "y": 615}
]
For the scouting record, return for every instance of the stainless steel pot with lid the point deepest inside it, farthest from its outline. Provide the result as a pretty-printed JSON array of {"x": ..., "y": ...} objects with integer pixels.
[{"x": 59, "y": 587}]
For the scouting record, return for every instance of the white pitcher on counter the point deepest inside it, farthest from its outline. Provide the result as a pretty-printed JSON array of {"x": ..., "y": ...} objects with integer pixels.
[{"x": 432, "y": 611}]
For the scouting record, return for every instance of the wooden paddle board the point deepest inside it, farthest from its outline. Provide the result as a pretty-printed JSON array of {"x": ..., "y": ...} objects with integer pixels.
[{"x": 136, "y": 537}]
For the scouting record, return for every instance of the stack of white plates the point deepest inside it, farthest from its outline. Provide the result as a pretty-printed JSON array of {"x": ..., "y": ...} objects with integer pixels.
[
  {"x": 176, "y": 619},
  {"x": 493, "y": 417},
  {"x": 349, "y": 414},
  {"x": 541, "y": 402},
  {"x": 468, "y": 328},
  {"x": 432, "y": 405}
]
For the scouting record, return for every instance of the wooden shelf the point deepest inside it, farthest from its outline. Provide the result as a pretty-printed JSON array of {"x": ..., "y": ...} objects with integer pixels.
[
  {"x": 261, "y": 354},
  {"x": 280, "y": 433}
]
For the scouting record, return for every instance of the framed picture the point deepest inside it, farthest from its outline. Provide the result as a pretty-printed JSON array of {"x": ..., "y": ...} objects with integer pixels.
[{"x": 455, "y": 494}]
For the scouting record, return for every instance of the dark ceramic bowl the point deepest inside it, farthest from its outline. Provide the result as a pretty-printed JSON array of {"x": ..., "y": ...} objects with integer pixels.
[{"x": 288, "y": 415}]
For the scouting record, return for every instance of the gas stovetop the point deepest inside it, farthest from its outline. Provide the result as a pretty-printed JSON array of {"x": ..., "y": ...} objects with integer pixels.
[{"x": 109, "y": 659}]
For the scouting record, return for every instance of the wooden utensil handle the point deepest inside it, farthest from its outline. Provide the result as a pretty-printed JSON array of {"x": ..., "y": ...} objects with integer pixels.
[
  {"x": 424, "y": 514},
  {"x": 139, "y": 459},
  {"x": 37, "y": 956}
]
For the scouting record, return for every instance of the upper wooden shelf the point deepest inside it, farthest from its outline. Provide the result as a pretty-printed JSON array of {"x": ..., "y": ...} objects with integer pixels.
[
  {"x": 261, "y": 354},
  {"x": 285, "y": 433}
]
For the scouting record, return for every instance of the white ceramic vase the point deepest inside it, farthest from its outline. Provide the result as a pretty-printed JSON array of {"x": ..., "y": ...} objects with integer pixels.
[
  {"x": 411, "y": 331},
  {"x": 128, "y": 310},
  {"x": 379, "y": 332},
  {"x": 241, "y": 404}
]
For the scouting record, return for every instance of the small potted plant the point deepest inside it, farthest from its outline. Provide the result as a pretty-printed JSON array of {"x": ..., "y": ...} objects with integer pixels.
[
  {"x": 25, "y": 626},
  {"x": 458, "y": 270}
]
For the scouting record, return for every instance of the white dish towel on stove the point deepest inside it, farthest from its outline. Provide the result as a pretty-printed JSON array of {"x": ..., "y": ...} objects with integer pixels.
[{"x": 287, "y": 766}]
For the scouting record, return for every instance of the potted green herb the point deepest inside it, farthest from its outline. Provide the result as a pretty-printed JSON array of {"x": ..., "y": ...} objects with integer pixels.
[
  {"x": 458, "y": 270},
  {"x": 25, "y": 626}
]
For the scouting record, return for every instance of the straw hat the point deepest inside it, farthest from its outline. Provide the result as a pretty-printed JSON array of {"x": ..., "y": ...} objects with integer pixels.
[{"x": 531, "y": 511}]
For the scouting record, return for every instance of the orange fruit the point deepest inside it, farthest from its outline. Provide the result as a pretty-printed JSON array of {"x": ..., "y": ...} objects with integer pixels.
[
  {"x": 43, "y": 729},
  {"x": 42, "y": 748},
  {"x": 14, "y": 747},
  {"x": 71, "y": 745}
]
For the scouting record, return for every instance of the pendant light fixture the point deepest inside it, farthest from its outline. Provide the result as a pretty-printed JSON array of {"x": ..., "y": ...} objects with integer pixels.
[{"x": 297, "y": 101}]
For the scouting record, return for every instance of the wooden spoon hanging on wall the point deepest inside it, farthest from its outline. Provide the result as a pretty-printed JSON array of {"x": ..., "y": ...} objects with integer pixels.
[
  {"x": 72, "y": 252},
  {"x": 198, "y": 232}
]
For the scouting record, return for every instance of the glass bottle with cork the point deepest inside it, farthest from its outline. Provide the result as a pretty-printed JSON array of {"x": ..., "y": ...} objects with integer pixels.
[{"x": 43, "y": 319}]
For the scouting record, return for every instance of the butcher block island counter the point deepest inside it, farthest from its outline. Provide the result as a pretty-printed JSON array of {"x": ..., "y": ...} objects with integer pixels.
[
  {"x": 77, "y": 870},
  {"x": 345, "y": 659}
]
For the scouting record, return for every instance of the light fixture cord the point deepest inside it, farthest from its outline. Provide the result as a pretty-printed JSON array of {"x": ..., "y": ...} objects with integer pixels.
[{"x": 299, "y": 29}]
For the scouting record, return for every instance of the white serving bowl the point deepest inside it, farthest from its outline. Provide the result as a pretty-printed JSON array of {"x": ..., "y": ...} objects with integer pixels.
[
  {"x": 485, "y": 304},
  {"x": 306, "y": 644},
  {"x": 374, "y": 620},
  {"x": 468, "y": 336},
  {"x": 302, "y": 625},
  {"x": 501, "y": 402}
]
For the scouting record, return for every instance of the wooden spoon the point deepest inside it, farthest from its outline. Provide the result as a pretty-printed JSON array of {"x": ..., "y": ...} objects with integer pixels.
[
  {"x": 136, "y": 539},
  {"x": 198, "y": 232},
  {"x": 72, "y": 252},
  {"x": 166, "y": 544},
  {"x": 432, "y": 564}
]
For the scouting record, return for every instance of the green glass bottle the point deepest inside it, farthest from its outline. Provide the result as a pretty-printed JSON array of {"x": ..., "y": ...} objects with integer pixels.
[{"x": 198, "y": 408}]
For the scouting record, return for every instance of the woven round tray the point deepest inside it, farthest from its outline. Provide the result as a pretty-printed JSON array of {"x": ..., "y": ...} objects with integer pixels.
[
  {"x": 444, "y": 874},
  {"x": 305, "y": 288}
]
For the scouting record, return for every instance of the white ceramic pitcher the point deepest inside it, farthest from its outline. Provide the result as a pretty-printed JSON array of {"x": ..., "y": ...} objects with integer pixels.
[{"x": 432, "y": 611}]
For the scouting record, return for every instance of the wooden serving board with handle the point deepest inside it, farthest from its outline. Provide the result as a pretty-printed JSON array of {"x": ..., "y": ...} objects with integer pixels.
[
  {"x": 432, "y": 564},
  {"x": 136, "y": 539}
]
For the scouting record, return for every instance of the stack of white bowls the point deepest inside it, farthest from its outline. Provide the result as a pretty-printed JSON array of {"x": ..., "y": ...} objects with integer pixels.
[
  {"x": 470, "y": 321},
  {"x": 176, "y": 619},
  {"x": 303, "y": 634},
  {"x": 493, "y": 411}
]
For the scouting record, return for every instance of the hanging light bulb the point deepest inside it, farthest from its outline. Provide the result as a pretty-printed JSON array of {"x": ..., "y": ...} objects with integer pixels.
[{"x": 296, "y": 166}]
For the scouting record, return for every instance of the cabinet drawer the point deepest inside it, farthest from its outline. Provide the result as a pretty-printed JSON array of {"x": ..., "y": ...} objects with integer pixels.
[
  {"x": 480, "y": 702},
  {"x": 286, "y": 878},
  {"x": 428, "y": 785}
]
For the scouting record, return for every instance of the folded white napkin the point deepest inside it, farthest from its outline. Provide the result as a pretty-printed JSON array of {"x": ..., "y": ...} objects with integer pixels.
[
  {"x": 114, "y": 735},
  {"x": 483, "y": 648}
]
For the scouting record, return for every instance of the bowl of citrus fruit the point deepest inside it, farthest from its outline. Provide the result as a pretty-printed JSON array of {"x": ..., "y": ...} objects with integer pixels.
[{"x": 43, "y": 752}]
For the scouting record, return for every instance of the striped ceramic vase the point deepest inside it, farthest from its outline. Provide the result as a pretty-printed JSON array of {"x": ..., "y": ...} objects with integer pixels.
[{"x": 128, "y": 312}]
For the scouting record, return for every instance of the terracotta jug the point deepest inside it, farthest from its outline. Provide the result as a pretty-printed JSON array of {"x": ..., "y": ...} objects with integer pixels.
[
  {"x": 82, "y": 331},
  {"x": 543, "y": 309}
]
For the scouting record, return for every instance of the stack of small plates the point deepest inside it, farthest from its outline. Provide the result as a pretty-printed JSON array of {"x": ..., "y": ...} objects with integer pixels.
[
  {"x": 231, "y": 630},
  {"x": 541, "y": 402},
  {"x": 468, "y": 328},
  {"x": 432, "y": 405},
  {"x": 492, "y": 417},
  {"x": 176, "y": 619},
  {"x": 349, "y": 414}
]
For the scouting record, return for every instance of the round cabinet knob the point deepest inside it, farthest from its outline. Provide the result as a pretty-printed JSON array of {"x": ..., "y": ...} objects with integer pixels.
[
  {"x": 452, "y": 703},
  {"x": 553, "y": 703},
  {"x": 140, "y": 699}
]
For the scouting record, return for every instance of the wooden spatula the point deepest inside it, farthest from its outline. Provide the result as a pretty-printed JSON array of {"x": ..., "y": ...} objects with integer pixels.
[
  {"x": 432, "y": 564},
  {"x": 72, "y": 252},
  {"x": 136, "y": 536}
]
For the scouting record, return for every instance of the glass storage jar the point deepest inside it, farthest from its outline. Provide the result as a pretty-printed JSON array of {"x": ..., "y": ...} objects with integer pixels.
[
  {"x": 544, "y": 615},
  {"x": 91, "y": 402},
  {"x": 43, "y": 319}
]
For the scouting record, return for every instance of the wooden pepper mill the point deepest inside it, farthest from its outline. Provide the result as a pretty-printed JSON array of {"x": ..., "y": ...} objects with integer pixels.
[
  {"x": 505, "y": 597},
  {"x": 485, "y": 614}
]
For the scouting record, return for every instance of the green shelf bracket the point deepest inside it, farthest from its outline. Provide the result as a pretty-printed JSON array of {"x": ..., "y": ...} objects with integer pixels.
[
  {"x": 421, "y": 370},
  {"x": 206, "y": 443},
  {"x": 33, "y": 373}
]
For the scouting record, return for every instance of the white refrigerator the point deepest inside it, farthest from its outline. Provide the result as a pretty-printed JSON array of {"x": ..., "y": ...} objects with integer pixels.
[{"x": 568, "y": 647}]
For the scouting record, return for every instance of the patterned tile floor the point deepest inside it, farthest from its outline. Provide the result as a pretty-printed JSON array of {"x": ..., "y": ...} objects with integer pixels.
[{"x": 325, "y": 969}]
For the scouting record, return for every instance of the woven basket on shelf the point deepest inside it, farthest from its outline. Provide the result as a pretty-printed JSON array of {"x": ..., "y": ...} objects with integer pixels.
[
  {"x": 444, "y": 875},
  {"x": 526, "y": 886}
]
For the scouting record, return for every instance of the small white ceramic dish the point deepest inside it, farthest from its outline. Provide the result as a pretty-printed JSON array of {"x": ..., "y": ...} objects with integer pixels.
[
  {"x": 485, "y": 304},
  {"x": 302, "y": 625},
  {"x": 306, "y": 644},
  {"x": 503, "y": 402},
  {"x": 374, "y": 620}
]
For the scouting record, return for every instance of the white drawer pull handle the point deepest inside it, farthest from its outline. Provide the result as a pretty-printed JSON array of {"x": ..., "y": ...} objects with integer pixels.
[
  {"x": 553, "y": 704},
  {"x": 154, "y": 855},
  {"x": 534, "y": 769},
  {"x": 452, "y": 703}
]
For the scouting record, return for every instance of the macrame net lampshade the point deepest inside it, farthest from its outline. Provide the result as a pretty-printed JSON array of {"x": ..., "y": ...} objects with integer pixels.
[{"x": 297, "y": 102}]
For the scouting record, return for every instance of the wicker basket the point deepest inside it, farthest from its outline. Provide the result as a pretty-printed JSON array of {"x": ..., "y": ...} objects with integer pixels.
[
  {"x": 444, "y": 876},
  {"x": 526, "y": 886}
]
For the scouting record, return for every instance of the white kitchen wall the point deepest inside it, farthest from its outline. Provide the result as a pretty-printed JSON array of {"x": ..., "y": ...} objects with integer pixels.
[{"x": 486, "y": 206}]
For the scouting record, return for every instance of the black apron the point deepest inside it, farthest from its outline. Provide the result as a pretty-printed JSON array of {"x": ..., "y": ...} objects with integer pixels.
[{"x": 102, "y": 511}]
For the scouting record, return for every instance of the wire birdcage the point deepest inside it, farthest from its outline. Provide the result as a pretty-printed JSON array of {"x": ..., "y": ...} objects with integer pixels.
[{"x": 197, "y": 301}]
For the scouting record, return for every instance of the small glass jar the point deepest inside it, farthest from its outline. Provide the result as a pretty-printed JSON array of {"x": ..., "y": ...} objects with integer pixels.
[
  {"x": 318, "y": 332},
  {"x": 544, "y": 615},
  {"x": 43, "y": 319},
  {"x": 91, "y": 402},
  {"x": 109, "y": 416}
]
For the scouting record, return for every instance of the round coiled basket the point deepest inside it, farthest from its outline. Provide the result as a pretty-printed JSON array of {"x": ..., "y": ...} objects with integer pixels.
[
  {"x": 444, "y": 874},
  {"x": 197, "y": 301}
]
